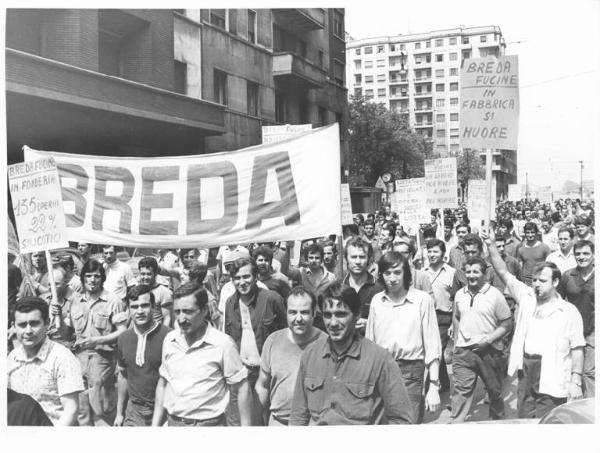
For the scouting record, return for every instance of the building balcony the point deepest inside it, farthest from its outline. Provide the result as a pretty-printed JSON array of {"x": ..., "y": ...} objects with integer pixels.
[
  {"x": 423, "y": 64},
  {"x": 294, "y": 71},
  {"x": 422, "y": 79},
  {"x": 428, "y": 108},
  {"x": 399, "y": 96},
  {"x": 398, "y": 81},
  {"x": 423, "y": 94},
  {"x": 304, "y": 18},
  {"x": 423, "y": 124}
]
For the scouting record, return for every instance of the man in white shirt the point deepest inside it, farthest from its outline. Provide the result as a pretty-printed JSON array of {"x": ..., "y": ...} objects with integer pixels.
[
  {"x": 564, "y": 257},
  {"x": 547, "y": 347},
  {"x": 119, "y": 276}
]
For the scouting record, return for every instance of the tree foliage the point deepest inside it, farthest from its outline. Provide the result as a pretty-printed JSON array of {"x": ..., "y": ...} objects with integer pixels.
[
  {"x": 380, "y": 141},
  {"x": 469, "y": 165}
]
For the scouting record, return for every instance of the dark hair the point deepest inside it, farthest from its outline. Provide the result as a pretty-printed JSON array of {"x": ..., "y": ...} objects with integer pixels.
[
  {"x": 117, "y": 248},
  {"x": 473, "y": 239},
  {"x": 192, "y": 289},
  {"x": 583, "y": 243},
  {"x": 390, "y": 227},
  {"x": 149, "y": 262},
  {"x": 342, "y": 293},
  {"x": 566, "y": 230},
  {"x": 530, "y": 226},
  {"x": 29, "y": 303},
  {"x": 476, "y": 260},
  {"x": 183, "y": 252},
  {"x": 408, "y": 243},
  {"x": 392, "y": 259},
  {"x": 507, "y": 223},
  {"x": 263, "y": 251},
  {"x": 66, "y": 262},
  {"x": 92, "y": 266},
  {"x": 431, "y": 243},
  {"x": 500, "y": 237},
  {"x": 464, "y": 225},
  {"x": 429, "y": 233},
  {"x": 555, "y": 216},
  {"x": 538, "y": 267},
  {"x": 359, "y": 243},
  {"x": 241, "y": 262},
  {"x": 369, "y": 222},
  {"x": 300, "y": 291},
  {"x": 197, "y": 272},
  {"x": 351, "y": 228},
  {"x": 136, "y": 291},
  {"x": 583, "y": 220},
  {"x": 329, "y": 243},
  {"x": 313, "y": 248}
]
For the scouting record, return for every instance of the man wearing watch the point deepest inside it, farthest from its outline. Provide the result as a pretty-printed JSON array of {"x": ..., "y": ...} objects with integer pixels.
[{"x": 547, "y": 347}]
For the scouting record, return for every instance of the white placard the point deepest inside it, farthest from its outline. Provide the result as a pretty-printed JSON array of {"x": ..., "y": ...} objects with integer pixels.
[
  {"x": 441, "y": 183},
  {"x": 409, "y": 202},
  {"x": 346, "y": 204}
]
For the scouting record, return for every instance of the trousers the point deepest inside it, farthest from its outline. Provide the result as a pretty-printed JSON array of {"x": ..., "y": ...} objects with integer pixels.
[
  {"x": 413, "y": 372},
  {"x": 530, "y": 402}
]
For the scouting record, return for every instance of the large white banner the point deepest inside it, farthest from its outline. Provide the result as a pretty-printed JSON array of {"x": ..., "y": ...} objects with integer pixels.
[
  {"x": 409, "y": 202},
  {"x": 275, "y": 192},
  {"x": 515, "y": 192},
  {"x": 489, "y": 102},
  {"x": 274, "y": 134},
  {"x": 441, "y": 183}
]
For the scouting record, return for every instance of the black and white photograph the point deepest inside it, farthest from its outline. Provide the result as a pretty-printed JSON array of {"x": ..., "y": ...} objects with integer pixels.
[{"x": 264, "y": 217}]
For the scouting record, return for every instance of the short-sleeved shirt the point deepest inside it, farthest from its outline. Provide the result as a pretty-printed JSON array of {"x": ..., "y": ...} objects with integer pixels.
[
  {"x": 119, "y": 277},
  {"x": 280, "y": 360},
  {"x": 480, "y": 314},
  {"x": 97, "y": 317},
  {"x": 366, "y": 293},
  {"x": 198, "y": 375},
  {"x": 441, "y": 283},
  {"x": 62, "y": 336},
  {"x": 163, "y": 298},
  {"x": 562, "y": 261},
  {"x": 141, "y": 380},
  {"x": 52, "y": 373},
  {"x": 530, "y": 256},
  {"x": 573, "y": 288},
  {"x": 358, "y": 387}
]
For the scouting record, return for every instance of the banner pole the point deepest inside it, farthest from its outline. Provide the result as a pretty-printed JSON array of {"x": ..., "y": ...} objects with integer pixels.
[
  {"x": 488, "y": 185},
  {"x": 52, "y": 285}
]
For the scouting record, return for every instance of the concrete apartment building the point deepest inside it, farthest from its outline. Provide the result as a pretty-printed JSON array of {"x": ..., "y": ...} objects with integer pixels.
[
  {"x": 418, "y": 75},
  {"x": 169, "y": 82}
]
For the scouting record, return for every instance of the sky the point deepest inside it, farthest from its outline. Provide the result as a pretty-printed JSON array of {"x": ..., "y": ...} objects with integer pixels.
[{"x": 559, "y": 70}]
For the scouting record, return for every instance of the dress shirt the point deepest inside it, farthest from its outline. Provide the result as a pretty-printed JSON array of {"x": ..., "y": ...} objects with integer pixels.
[
  {"x": 562, "y": 261},
  {"x": 441, "y": 283},
  {"x": 315, "y": 288}
]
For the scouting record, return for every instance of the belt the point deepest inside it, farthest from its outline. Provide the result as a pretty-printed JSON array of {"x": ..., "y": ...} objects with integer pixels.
[
  {"x": 283, "y": 421},
  {"x": 194, "y": 421},
  {"x": 532, "y": 356}
]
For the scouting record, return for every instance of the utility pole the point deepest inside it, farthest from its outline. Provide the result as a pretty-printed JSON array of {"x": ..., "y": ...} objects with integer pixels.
[
  {"x": 581, "y": 180},
  {"x": 526, "y": 186}
]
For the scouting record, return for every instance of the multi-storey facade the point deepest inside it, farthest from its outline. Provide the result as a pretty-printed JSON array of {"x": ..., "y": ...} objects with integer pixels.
[
  {"x": 169, "y": 82},
  {"x": 418, "y": 75}
]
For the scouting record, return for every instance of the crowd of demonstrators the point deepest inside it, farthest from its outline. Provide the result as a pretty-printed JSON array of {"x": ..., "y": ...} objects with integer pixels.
[{"x": 371, "y": 327}]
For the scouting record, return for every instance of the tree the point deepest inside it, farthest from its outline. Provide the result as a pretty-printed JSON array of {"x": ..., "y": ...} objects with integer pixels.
[
  {"x": 469, "y": 165},
  {"x": 381, "y": 140}
]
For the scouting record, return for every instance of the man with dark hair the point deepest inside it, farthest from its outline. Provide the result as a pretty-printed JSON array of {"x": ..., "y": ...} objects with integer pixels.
[
  {"x": 420, "y": 280},
  {"x": 564, "y": 258},
  {"x": 85, "y": 251},
  {"x": 139, "y": 355},
  {"x": 42, "y": 368},
  {"x": 472, "y": 248},
  {"x": 456, "y": 257},
  {"x": 547, "y": 346},
  {"x": 162, "y": 311},
  {"x": 280, "y": 357},
  {"x": 385, "y": 242},
  {"x": 583, "y": 227},
  {"x": 506, "y": 228},
  {"x": 330, "y": 259},
  {"x": 200, "y": 367},
  {"x": 368, "y": 232},
  {"x": 275, "y": 281},
  {"x": 251, "y": 315},
  {"x": 531, "y": 251},
  {"x": 481, "y": 319},
  {"x": 345, "y": 378},
  {"x": 98, "y": 318},
  {"x": 119, "y": 276},
  {"x": 577, "y": 286},
  {"x": 39, "y": 277},
  {"x": 402, "y": 320},
  {"x": 315, "y": 278}
]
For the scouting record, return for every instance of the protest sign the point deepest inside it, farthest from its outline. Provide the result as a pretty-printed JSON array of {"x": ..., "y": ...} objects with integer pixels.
[
  {"x": 489, "y": 102},
  {"x": 274, "y": 134},
  {"x": 409, "y": 202},
  {"x": 346, "y": 204},
  {"x": 13, "y": 241},
  {"x": 514, "y": 192},
  {"x": 259, "y": 194},
  {"x": 476, "y": 204},
  {"x": 37, "y": 205},
  {"x": 441, "y": 183}
]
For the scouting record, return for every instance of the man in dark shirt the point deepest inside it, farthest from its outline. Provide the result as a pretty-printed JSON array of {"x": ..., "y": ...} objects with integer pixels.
[
  {"x": 275, "y": 281},
  {"x": 23, "y": 410},
  {"x": 139, "y": 356},
  {"x": 577, "y": 286},
  {"x": 345, "y": 379}
]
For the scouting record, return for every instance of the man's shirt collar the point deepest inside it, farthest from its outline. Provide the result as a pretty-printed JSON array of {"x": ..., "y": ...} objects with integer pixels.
[
  {"x": 353, "y": 350},
  {"x": 41, "y": 355}
]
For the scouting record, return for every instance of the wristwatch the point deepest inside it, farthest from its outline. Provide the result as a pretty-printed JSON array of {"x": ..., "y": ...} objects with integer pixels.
[{"x": 436, "y": 383}]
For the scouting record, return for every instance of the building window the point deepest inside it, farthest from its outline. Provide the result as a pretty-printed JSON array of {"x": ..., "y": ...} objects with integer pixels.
[
  {"x": 357, "y": 51},
  {"x": 279, "y": 108},
  {"x": 454, "y": 133},
  {"x": 439, "y": 57},
  {"x": 357, "y": 79},
  {"x": 381, "y": 92},
  {"x": 232, "y": 21},
  {"x": 439, "y": 87},
  {"x": 454, "y": 117},
  {"x": 453, "y": 56},
  {"x": 466, "y": 54},
  {"x": 483, "y": 38},
  {"x": 357, "y": 92},
  {"x": 441, "y": 149},
  {"x": 465, "y": 40},
  {"x": 381, "y": 77},
  {"x": 453, "y": 101},
  {"x": 439, "y": 42},
  {"x": 453, "y": 86},
  {"x": 441, "y": 133},
  {"x": 453, "y": 71},
  {"x": 320, "y": 58},
  {"x": 368, "y": 79},
  {"x": 338, "y": 72},
  {"x": 427, "y": 44},
  {"x": 180, "y": 77},
  {"x": 402, "y": 47},
  {"x": 252, "y": 98},
  {"x": 440, "y": 118},
  {"x": 338, "y": 25},
  {"x": 392, "y": 47},
  {"x": 357, "y": 64},
  {"x": 453, "y": 41},
  {"x": 369, "y": 64},
  {"x": 368, "y": 50},
  {"x": 217, "y": 18},
  {"x": 252, "y": 26},
  {"x": 454, "y": 147},
  {"x": 368, "y": 94},
  {"x": 380, "y": 49},
  {"x": 417, "y": 45},
  {"x": 439, "y": 102},
  {"x": 381, "y": 63},
  {"x": 109, "y": 53},
  {"x": 220, "y": 87},
  {"x": 439, "y": 73}
]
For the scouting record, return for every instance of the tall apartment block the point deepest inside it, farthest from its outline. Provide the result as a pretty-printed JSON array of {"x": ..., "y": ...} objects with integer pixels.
[
  {"x": 169, "y": 82},
  {"x": 418, "y": 75}
]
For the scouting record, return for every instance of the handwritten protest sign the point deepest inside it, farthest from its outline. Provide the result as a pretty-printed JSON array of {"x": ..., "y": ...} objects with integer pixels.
[
  {"x": 441, "y": 183},
  {"x": 514, "y": 192},
  {"x": 489, "y": 102},
  {"x": 273, "y": 134},
  {"x": 476, "y": 204},
  {"x": 37, "y": 205},
  {"x": 409, "y": 201},
  {"x": 346, "y": 204}
]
